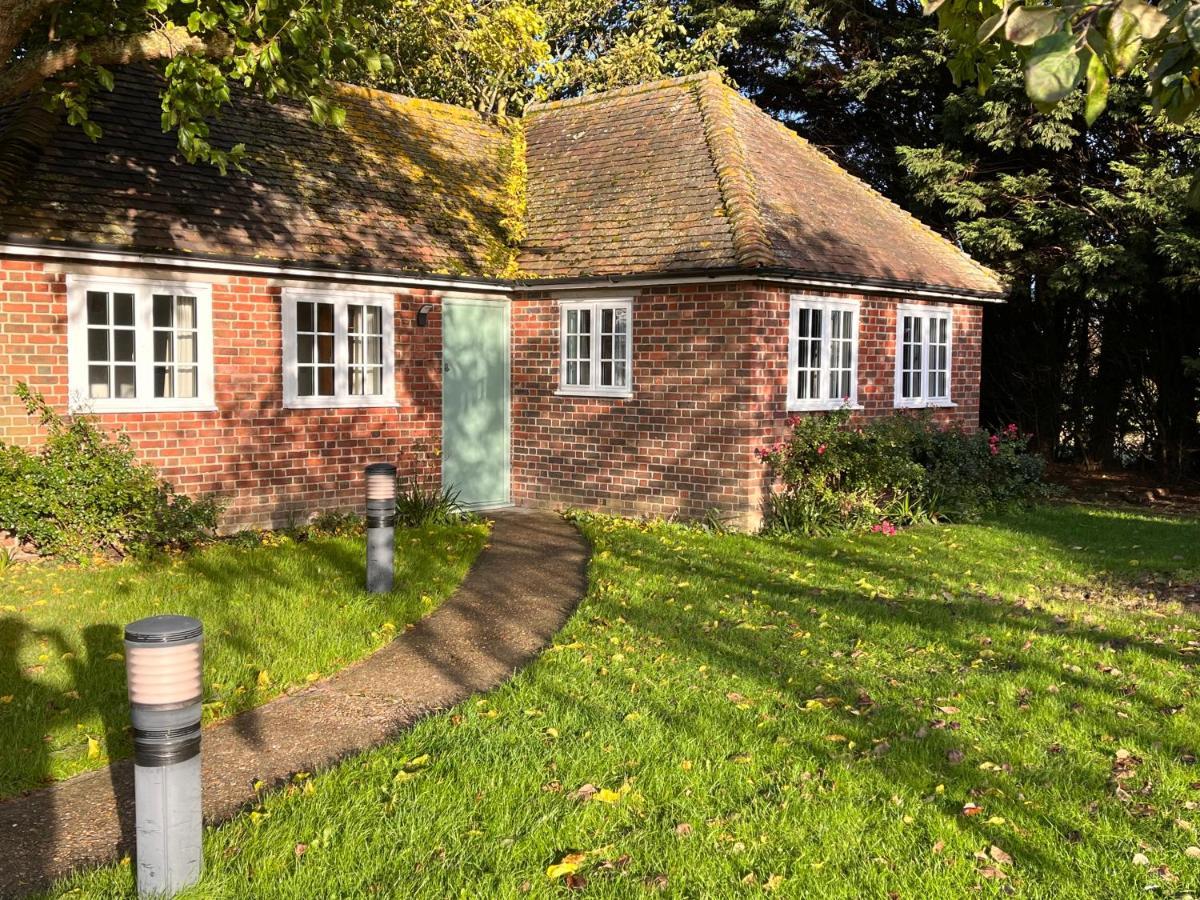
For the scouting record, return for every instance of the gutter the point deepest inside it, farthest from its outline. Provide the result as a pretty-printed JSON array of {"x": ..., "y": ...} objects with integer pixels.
[{"x": 817, "y": 281}]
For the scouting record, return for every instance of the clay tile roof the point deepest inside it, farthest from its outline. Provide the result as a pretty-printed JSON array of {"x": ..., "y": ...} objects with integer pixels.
[
  {"x": 407, "y": 186},
  {"x": 674, "y": 177},
  {"x": 686, "y": 174}
]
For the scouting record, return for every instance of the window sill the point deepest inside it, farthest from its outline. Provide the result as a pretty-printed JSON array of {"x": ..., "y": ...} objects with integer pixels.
[
  {"x": 167, "y": 406},
  {"x": 336, "y": 403},
  {"x": 930, "y": 404},
  {"x": 601, "y": 395},
  {"x": 821, "y": 406}
]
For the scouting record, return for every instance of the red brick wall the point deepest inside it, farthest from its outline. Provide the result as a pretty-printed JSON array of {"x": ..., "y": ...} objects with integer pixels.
[
  {"x": 275, "y": 466},
  {"x": 678, "y": 446},
  {"x": 710, "y": 385},
  {"x": 710, "y": 382}
]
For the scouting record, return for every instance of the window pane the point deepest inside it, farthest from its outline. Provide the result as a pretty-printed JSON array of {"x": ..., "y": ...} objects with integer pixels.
[
  {"x": 356, "y": 381},
  {"x": 187, "y": 382},
  {"x": 572, "y": 321},
  {"x": 163, "y": 381},
  {"x": 98, "y": 345},
  {"x": 585, "y": 320},
  {"x": 123, "y": 309},
  {"x": 98, "y": 382},
  {"x": 375, "y": 383},
  {"x": 185, "y": 348},
  {"x": 375, "y": 351},
  {"x": 356, "y": 318},
  {"x": 606, "y": 346},
  {"x": 162, "y": 347},
  {"x": 375, "y": 320},
  {"x": 606, "y": 320},
  {"x": 572, "y": 346},
  {"x": 185, "y": 313},
  {"x": 620, "y": 375},
  {"x": 304, "y": 317},
  {"x": 163, "y": 304},
  {"x": 803, "y": 322},
  {"x": 325, "y": 348},
  {"x": 97, "y": 308},
  {"x": 123, "y": 346},
  {"x": 305, "y": 346},
  {"x": 585, "y": 346},
  {"x": 325, "y": 317},
  {"x": 356, "y": 350},
  {"x": 585, "y": 373},
  {"x": 621, "y": 323},
  {"x": 304, "y": 386},
  {"x": 606, "y": 374},
  {"x": 124, "y": 382},
  {"x": 325, "y": 381},
  {"x": 572, "y": 372}
]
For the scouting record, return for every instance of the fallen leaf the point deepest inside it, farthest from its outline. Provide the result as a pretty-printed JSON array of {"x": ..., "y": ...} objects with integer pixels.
[
  {"x": 971, "y": 809},
  {"x": 773, "y": 883},
  {"x": 576, "y": 882},
  {"x": 954, "y": 757},
  {"x": 605, "y": 795},
  {"x": 584, "y": 794},
  {"x": 939, "y": 846},
  {"x": 999, "y": 855},
  {"x": 992, "y": 872},
  {"x": 300, "y": 850},
  {"x": 1140, "y": 859},
  {"x": 683, "y": 829},
  {"x": 1192, "y": 852},
  {"x": 93, "y": 748},
  {"x": 568, "y": 865},
  {"x": 264, "y": 679}
]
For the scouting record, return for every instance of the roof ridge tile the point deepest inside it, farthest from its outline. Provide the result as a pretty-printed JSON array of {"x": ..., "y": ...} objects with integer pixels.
[
  {"x": 735, "y": 178},
  {"x": 641, "y": 87}
]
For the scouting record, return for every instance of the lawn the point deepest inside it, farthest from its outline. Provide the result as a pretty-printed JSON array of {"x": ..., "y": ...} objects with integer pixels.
[
  {"x": 276, "y": 614},
  {"x": 945, "y": 712}
]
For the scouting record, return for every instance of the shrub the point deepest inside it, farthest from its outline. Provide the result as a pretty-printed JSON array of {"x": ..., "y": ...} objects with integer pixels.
[
  {"x": 83, "y": 492},
  {"x": 899, "y": 470},
  {"x": 416, "y": 505}
]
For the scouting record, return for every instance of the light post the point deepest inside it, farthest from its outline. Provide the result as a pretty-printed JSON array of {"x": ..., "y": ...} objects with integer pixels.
[
  {"x": 163, "y": 657},
  {"x": 381, "y": 527}
]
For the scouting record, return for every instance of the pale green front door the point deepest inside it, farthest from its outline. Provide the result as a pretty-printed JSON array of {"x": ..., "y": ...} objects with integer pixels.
[{"x": 475, "y": 398}]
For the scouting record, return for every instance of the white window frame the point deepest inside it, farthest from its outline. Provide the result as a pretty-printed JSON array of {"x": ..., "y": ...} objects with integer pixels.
[
  {"x": 341, "y": 300},
  {"x": 826, "y": 305},
  {"x": 143, "y": 291},
  {"x": 595, "y": 305},
  {"x": 925, "y": 313}
]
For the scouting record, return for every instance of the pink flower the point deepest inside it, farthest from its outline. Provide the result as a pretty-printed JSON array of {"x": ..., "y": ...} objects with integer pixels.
[
  {"x": 821, "y": 450},
  {"x": 885, "y": 528}
]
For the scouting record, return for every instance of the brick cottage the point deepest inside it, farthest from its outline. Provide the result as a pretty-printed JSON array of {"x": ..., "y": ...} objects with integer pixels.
[{"x": 609, "y": 303}]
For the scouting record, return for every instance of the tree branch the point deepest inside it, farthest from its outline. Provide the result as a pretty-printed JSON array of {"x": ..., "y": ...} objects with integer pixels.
[
  {"x": 163, "y": 43},
  {"x": 16, "y": 18}
]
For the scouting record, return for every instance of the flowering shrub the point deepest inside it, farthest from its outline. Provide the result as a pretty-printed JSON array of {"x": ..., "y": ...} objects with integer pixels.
[{"x": 893, "y": 471}]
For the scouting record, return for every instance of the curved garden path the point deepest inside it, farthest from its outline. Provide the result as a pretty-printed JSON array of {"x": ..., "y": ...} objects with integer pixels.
[{"x": 519, "y": 592}]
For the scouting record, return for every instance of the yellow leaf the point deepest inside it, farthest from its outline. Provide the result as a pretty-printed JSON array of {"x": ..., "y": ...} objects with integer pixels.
[
  {"x": 115, "y": 657},
  {"x": 995, "y": 820},
  {"x": 604, "y": 795},
  {"x": 7, "y": 698},
  {"x": 568, "y": 865},
  {"x": 264, "y": 679},
  {"x": 93, "y": 748},
  {"x": 417, "y": 762},
  {"x": 773, "y": 883},
  {"x": 836, "y": 738},
  {"x": 550, "y": 732}
]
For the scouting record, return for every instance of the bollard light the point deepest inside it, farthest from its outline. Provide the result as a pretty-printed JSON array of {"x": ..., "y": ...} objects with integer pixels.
[
  {"x": 163, "y": 656},
  {"x": 381, "y": 526}
]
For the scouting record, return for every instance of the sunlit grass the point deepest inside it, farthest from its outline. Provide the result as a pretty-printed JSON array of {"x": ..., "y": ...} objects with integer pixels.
[
  {"x": 276, "y": 616},
  {"x": 925, "y": 715}
]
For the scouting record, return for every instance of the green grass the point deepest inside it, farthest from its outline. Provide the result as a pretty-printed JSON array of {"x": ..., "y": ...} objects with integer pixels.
[
  {"x": 276, "y": 615},
  {"x": 789, "y": 715}
]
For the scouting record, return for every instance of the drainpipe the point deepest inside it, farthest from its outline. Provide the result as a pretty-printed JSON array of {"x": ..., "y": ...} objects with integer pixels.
[
  {"x": 381, "y": 527},
  {"x": 163, "y": 657}
]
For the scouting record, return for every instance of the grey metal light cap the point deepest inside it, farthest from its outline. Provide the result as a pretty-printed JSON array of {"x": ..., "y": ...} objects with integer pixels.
[
  {"x": 164, "y": 630},
  {"x": 381, "y": 469}
]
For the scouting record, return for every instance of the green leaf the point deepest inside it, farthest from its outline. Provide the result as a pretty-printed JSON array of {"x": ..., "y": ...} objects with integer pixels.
[
  {"x": 1097, "y": 89},
  {"x": 1026, "y": 26},
  {"x": 105, "y": 77},
  {"x": 1054, "y": 69},
  {"x": 990, "y": 26},
  {"x": 1151, "y": 20},
  {"x": 1124, "y": 41},
  {"x": 373, "y": 62}
]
